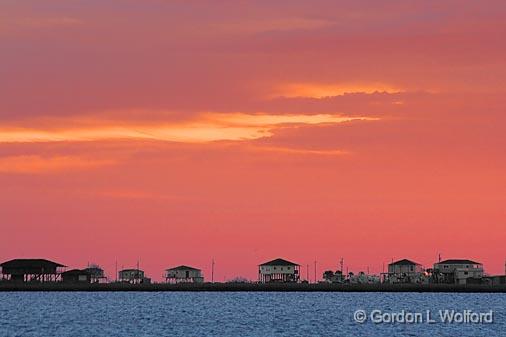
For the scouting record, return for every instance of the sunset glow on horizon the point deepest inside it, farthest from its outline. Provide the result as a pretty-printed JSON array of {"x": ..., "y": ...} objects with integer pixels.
[{"x": 178, "y": 132}]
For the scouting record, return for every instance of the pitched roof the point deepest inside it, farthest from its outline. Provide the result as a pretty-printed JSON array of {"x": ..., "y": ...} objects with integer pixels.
[
  {"x": 76, "y": 272},
  {"x": 94, "y": 269},
  {"x": 29, "y": 263},
  {"x": 182, "y": 267},
  {"x": 458, "y": 261},
  {"x": 279, "y": 262},
  {"x": 403, "y": 262},
  {"x": 130, "y": 270}
]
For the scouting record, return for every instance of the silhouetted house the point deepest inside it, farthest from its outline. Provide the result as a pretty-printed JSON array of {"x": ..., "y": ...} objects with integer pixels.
[
  {"x": 278, "y": 270},
  {"x": 76, "y": 276},
  {"x": 97, "y": 273},
  {"x": 457, "y": 271},
  {"x": 31, "y": 270},
  {"x": 184, "y": 274},
  {"x": 134, "y": 276},
  {"x": 405, "y": 271},
  {"x": 495, "y": 280}
]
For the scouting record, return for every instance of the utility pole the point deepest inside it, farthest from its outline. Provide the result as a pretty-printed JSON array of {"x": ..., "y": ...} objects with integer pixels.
[
  {"x": 315, "y": 271},
  {"x": 116, "y": 270},
  {"x": 341, "y": 263},
  {"x": 138, "y": 272},
  {"x": 212, "y": 271},
  {"x": 307, "y": 273}
]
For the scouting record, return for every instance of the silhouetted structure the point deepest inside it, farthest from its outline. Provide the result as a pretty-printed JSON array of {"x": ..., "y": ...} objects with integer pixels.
[
  {"x": 278, "y": 270},
  {"x": 134, "y": 276},
  {"x": 76, "y": 276},
  {"x": 405, "y": 271},
  {"x": 97, "y": 273},
  {"x": 494, "y": 280},
  {"x": 457, "y": 271},
  {"x": 183, "y": 274},
  {"x": 31, "y": 270}
]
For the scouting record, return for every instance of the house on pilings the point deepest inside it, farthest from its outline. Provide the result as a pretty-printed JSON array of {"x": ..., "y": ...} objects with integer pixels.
[
  {"x": 31, "y": 270},
  {"x": 278, "y": 270}
]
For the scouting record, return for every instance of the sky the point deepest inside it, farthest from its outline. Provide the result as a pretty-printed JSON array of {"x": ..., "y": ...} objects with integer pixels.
[{"x": 171, "y": 132}]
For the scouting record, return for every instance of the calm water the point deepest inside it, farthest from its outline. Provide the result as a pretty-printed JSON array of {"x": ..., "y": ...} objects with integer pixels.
[{"x": 238, "y": 314}]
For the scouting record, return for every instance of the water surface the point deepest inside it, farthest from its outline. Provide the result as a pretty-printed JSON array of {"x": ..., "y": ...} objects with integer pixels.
[{"x": 237, "y": 314}]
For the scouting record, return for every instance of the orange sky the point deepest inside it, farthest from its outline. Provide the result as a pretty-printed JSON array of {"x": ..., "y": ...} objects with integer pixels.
[{"x": 176, "y": 132}]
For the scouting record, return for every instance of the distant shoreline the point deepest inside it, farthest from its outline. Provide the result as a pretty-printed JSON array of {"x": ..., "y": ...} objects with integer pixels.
[{"x": 251, "y": 287}]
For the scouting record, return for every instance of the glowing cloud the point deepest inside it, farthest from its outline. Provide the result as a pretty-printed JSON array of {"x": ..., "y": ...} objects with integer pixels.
[
  {"x": 298, "y": 151},
  {"x": 312, "y": 90},
  {"x": 207, "y": 127}
]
